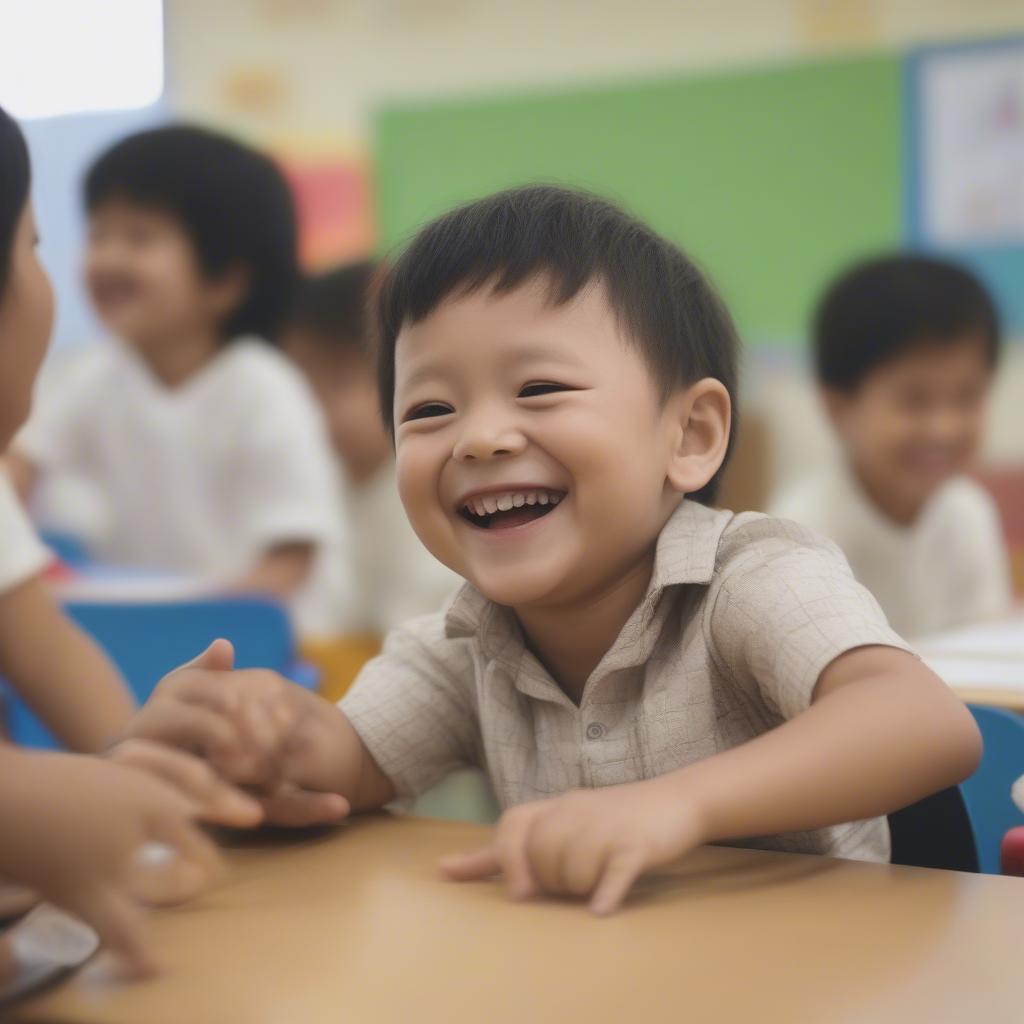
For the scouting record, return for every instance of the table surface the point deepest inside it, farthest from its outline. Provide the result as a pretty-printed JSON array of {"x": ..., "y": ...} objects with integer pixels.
[{"x": 355, "y": 925}]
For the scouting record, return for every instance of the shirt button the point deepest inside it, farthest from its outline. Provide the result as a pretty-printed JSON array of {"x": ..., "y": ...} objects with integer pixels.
[{"x": 595, "y": 731}]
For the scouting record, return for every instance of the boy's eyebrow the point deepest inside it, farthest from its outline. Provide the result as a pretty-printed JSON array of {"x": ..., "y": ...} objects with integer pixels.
[{"x": 528, "y": 353}]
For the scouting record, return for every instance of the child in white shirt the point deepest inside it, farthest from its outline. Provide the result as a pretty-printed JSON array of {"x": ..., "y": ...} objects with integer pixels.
[
  {"x": 389, "y": 576},
  {"x": 202, "y": 440},
  {"x": 905, "y": 349}
]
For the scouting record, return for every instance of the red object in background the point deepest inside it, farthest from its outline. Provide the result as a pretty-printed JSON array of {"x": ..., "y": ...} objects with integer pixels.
[
  {"x": 59, "y": 572},
  {"x": 1012, "y": 852},
  {"x": 334, "y": 207}
]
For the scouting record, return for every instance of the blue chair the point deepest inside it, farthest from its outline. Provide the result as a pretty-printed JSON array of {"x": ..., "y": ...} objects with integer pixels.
[
  {"x": 68, "y": 548},
  {"x": 962, "y": 828},
  {"x": 147, "y": 640},
  {"x": 987, "y": 792}
]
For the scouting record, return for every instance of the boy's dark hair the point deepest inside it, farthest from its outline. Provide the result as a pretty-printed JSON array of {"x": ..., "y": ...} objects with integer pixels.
[
  {"x": 14, "y": 188},
  {"x": 662, "y": 301},
  {"x": 232, "y": 201},
  {"x": 333, "y": 305},
  {"x": 879, "y": 309}
]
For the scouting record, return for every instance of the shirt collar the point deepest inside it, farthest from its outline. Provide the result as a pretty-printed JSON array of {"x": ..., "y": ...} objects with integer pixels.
[{"x": 686, "y": 552}]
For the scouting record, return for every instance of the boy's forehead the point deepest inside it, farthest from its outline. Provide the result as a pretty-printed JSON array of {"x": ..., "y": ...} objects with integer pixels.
[{"x": 519, "y": 323}]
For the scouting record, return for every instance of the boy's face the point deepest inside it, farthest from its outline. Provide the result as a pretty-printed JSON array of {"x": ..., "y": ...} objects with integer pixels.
[
  {"x": 26, "y": 318},
  {"x": 346, "y": 386},
  {"x": 916, "y": 420},
  {"x": 546, "y": 414},
  {"x": 143, "y": 275}
]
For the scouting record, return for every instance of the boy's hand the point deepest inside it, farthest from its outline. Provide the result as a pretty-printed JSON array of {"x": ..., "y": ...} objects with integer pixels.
[
  {"x": 589, "y": 842},
  {"x": 253, "y": 727}
]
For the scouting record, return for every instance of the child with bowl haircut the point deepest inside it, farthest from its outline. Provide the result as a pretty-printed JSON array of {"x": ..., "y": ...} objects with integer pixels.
[
  {"x": 637, "y": 672},
  {"x": 199, "y": 437},
  {"x": 905, "y": 348}
]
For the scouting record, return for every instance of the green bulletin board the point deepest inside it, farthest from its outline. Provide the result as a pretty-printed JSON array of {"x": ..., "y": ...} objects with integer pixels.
[{"x": 771, "y": 179}]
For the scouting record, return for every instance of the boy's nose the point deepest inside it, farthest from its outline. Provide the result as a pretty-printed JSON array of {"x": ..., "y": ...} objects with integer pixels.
[{"x": 482, "y": 443}]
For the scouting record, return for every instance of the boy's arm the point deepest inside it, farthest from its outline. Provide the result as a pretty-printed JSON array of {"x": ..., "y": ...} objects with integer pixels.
[
  {"x": 59, "y": 671},
  {"x": 296, "y": 750},
  {"x": 280, "y": 570},
  {"x": 882, "y": 731}
]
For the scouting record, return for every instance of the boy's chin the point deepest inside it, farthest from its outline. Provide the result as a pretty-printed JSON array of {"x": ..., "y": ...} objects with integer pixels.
[{"x": 518, "y": 587}]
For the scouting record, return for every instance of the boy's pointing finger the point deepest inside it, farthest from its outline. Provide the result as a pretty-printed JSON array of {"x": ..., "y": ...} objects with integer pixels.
[{"x": 469, "y": 867}]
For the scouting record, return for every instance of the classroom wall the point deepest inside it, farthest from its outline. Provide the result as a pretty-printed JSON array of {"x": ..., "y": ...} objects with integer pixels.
[{"x": 275, "y": 68}]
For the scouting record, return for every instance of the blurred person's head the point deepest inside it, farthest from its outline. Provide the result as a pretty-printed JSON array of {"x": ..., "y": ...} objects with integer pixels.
[
  {"x": 327, "y": 335},
  {"x": 557, "y": 377},
  {"x": 26, "y": 300},
  {"x": 190, "y": 234},
  {"x": 905, "y": 348}
]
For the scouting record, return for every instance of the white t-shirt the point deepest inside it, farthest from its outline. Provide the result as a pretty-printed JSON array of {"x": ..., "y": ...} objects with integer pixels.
[
  {"x": 200, "y": 479},
  {"x": 22, "y": 554},
  {"x": 389, "y": 576},
  {"x": 948, "y": 568}
]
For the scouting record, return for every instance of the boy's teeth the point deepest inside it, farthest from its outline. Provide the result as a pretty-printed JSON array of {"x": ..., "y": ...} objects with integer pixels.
[{"x": 487, "y": 505}]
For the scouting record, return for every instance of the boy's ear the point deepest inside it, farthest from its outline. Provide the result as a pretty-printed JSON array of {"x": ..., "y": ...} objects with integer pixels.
[
  {"x": 701, "y": 419},
  {"x": 227, "y": 291}
]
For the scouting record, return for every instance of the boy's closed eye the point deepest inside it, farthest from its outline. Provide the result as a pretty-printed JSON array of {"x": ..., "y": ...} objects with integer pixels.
[
  {"x": 427, "y": 410},
  {"x": 537, "y": 389}
]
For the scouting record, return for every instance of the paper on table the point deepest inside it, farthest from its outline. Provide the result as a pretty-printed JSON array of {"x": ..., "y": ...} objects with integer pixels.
[
  {"x": 975, "y": 673},
  {"x": 1002, "y": 640},
  {"x": 42, "y": 946}
]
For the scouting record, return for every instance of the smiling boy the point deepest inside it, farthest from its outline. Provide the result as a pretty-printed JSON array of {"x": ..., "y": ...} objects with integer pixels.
[
  {"x": 637, "y": 672},
  {"x": 906, "y": 348}
]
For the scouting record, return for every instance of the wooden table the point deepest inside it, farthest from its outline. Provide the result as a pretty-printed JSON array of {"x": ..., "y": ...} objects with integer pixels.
[{"x": 356, "y": 926}]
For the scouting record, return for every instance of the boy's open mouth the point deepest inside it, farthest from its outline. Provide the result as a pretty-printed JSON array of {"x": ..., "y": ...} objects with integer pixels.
[{"x": 508, "y": 509}]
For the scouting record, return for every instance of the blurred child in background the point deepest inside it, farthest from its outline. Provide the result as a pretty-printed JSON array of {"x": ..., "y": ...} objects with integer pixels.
[
  {"x": 390, "y": 576},
  {"x": 905, "y": 349},
  {"x": 201, "y": 439},
  {"x": 72, "y": 827}
]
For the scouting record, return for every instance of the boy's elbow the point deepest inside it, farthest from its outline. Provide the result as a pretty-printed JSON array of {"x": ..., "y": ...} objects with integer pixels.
[{"x": 963, "y": 744}]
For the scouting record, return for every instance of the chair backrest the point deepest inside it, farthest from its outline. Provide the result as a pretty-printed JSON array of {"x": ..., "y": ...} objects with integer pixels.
[
  {"x": 987, "y": 792},
  {"x": 935, "y": 832},
  {"x": 148, "y": 639}
]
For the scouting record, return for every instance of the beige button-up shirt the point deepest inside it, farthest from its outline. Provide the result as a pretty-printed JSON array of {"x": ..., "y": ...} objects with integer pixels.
[{"x": 741, "y": 616}]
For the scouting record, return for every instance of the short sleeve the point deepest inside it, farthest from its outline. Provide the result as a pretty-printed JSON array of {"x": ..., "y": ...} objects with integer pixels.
[
  {"x": 22, "y": 554},
  {"x": 784, "y": 605},
  {"x": 57, "y": 435},
  {"x": 414, "y": 707},
  {"x": 287, "y": 486}
]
